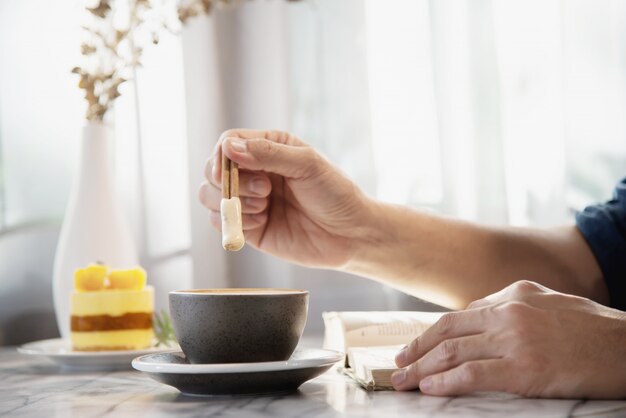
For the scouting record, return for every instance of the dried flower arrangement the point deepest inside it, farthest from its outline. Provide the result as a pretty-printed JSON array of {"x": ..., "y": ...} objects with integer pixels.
[{"x": 116, "y": 35}]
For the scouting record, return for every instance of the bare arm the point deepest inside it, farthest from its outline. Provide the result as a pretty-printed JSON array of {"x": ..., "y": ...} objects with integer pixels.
[
  {"x": 452, "y": 263},
  {"x": 299, "y": 207},
  {"x": 525, "y": 339}
]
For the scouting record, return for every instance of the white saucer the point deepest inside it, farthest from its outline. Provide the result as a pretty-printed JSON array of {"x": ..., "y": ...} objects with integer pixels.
[
  {"x": 60, "y": 351},
  {"x": 172, "y": 368}
]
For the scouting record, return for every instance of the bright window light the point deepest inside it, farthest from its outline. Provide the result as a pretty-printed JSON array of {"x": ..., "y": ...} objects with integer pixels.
[{"x": 403, "y": 118}]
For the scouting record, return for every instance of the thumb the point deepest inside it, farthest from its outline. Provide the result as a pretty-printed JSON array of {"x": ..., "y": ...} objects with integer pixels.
[{"x": 257, "y": 154}]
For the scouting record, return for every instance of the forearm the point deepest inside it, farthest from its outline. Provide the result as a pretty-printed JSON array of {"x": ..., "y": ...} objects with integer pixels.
[{"x": 452, "y": 263}]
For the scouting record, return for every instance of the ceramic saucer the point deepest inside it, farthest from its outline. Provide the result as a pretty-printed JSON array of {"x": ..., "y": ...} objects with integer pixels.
[
  {"x": 60, "y": 351},
  {"x": 172, "y": 368}
]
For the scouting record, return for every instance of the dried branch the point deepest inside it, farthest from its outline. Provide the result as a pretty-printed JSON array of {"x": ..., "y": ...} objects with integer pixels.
[{"x": 112, "y": 53}]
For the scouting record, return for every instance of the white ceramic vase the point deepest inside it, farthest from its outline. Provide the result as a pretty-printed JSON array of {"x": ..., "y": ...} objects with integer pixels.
[{"x": 94, "y": 228}]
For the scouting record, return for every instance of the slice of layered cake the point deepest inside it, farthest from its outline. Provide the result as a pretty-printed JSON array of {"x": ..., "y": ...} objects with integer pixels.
[{"x": 111, "y": 310}]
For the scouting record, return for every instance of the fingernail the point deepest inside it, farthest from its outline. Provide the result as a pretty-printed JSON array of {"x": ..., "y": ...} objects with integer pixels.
[
  {"x": 426, "y": 384},
  {"x": 398, "y": 377},
  {"x": 258, "y": 186},
  {"x": 237, "y": 144},
  {"x": 401, "y": 356}
]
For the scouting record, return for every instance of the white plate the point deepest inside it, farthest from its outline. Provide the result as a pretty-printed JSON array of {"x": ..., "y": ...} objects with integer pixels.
[
  {"x": 60, "y": 351},
  {"x": 172, "y": 368}
]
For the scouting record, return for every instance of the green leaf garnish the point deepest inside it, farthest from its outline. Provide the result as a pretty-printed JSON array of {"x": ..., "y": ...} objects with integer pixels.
[{"x": 163, "y": 330}]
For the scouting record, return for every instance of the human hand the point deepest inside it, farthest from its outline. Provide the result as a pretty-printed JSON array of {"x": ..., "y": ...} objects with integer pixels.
[
  {"x": 526, "y": 339},
  {"x": 295, "y": 204}
]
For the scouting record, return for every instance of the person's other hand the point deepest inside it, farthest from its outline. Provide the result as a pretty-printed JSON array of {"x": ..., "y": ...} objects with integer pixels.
[
  {"x": 526, "y": 339},
  {"x": 295, "y": 204}
]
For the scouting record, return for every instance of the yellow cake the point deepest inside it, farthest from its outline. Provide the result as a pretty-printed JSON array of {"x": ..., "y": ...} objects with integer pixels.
[{"x": 111, "y": 310}]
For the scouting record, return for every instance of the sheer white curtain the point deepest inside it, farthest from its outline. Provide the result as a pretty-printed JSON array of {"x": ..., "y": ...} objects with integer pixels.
[
  {"x": 528, "y": 99},
  {"x": 497, "y": 111},
  {"x": 152, "y": 167},
  {"x": 40, "y": 116},
  {"x": 302, "y": 69}
]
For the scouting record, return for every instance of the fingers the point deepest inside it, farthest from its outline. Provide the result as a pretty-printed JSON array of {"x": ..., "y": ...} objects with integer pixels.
[
  {"x": 250, "y": 221},
  {"x": 266, "y": 156},
  {"x": 210, "y": 196},
  {"x": 445, "y": 356},
  {"x": 250, "y": 185},
  {"x": 279, "y": 137},
  {"x": 472, "y": 376},
  {"x": 450, "y": 325},
  {"x": 214, "y": 164},
  {"x": 271, "y": 157},
  {"x": 479, "y": 348}
]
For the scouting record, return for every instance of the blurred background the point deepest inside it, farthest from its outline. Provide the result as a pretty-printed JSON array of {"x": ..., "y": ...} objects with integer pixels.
[{"x": 502, "y": 112}]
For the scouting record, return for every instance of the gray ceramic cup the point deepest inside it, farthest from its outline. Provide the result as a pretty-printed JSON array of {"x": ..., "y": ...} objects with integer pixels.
[{"x": 238, "y": 325}]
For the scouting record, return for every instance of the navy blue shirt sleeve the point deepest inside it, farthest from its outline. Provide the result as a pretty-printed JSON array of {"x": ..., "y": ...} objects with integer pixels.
[{"x": 604, "y": 229}]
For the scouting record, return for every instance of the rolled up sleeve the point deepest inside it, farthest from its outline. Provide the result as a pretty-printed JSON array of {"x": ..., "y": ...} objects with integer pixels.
[{"x": 604, "y": 229}]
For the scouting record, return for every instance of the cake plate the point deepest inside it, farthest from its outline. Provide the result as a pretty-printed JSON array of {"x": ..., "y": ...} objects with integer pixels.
[{"x": 60, "y": 351}]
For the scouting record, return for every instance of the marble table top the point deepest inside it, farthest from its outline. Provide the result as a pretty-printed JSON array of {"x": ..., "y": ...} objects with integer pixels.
[{"x": 35, "y": 387}]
